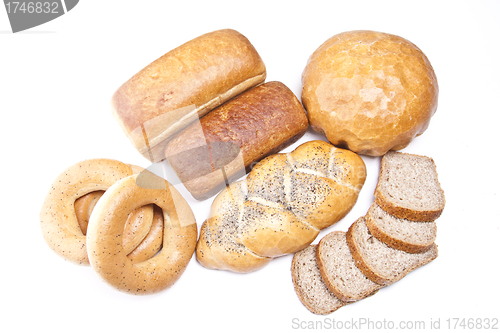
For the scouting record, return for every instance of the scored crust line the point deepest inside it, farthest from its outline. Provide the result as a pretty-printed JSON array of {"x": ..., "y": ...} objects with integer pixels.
[
  {"x": 287, "y": 186},
  {"x": 287, "y": 179},
  {"x": 331, "y": 164}
]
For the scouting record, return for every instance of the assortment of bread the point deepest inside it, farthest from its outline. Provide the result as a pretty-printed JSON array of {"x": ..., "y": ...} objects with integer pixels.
[
  {"x": 182, "y": 86},
  {"x": 205, "y": 107},
  {"x": 355, "y": 264},
  {"x": 124, "y": 222},
  {"x": 224, "y": 144}
]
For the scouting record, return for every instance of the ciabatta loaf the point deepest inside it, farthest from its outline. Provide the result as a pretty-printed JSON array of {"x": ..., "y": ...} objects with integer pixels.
[
  {"x": 408, "y": 187},
  {"x": 379, "y": 262},
  {"x": 401, "y": 234},
  {"x": 309, "y": 285},
  {"x": 339, "y": 270},
  {"x": 280, "y": 207}
]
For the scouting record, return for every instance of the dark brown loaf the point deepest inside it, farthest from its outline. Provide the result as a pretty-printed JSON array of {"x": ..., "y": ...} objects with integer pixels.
[
  {"x": 183, "y": 85},
  {"x": 227, "y": 141}
]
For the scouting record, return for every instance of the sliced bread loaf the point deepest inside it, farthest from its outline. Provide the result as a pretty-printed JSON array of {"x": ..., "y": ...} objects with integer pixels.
[
  {"x": 309, "y": 285},
  {"x": 339, "y": 271},
  {"x": 408, "y": 187},
  {"x": 401, "y": 234},
  {"x": 379, "y": 262}
]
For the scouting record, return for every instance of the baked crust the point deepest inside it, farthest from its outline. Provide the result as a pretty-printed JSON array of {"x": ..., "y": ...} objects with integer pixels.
[
  {"x": 258, "y": 123},
  {"x": 394, "y": 242},
  {"x": 370, "y": 92},
  {"x": 107, "y": 256},
  {"x": 374, "y": 274},
  {"x": 394, "y": 208},
  {"x": 58, "y": 218},
  {"x": 183, "y": 85},
  {"x": 322, "y": 259},
  {"x": 281, "y": 206},
  {"x": 307, "y": 296}
]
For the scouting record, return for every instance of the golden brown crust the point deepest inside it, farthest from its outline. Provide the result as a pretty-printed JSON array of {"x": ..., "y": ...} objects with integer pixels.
[
  {"x": 107, "y": 222},
  {"x": 214, "y": 257},
  {"x": 58, "y": 220},
  {"x": 153, "y": 241},
  {"x": 280, "y": 207},
  {"x": 84, "y": 206},
  {"x": 239, "y": 133},
  {"x": 183, "y": 85},
  {"x": 370, "y": 92}
]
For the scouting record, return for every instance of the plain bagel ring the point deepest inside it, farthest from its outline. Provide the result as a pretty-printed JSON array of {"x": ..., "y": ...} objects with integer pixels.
[
  {"x": 143, "y": 232},
  {"x": 106, "y": 227},
  {"x": 58, "y": 219}
]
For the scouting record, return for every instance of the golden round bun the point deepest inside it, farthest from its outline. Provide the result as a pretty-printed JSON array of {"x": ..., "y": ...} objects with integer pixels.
[{"x": 368, "y": 91}]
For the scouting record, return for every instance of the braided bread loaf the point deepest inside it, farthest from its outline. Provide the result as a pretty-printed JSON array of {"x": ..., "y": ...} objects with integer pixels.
[{"x": 280, "y": 207}]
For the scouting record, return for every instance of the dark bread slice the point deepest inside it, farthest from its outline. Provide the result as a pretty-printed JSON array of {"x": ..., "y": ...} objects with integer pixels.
[
  {"x": 339, "y": 271},
  {"x": 309, "y": 285},
  {"x": 408, "y": 187},
  {"x": 379, "y": 262},
  {"x": 400, "y": 234}
]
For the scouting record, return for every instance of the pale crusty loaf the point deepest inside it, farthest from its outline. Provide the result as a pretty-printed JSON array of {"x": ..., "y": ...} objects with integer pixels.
[
  {"x": 231, "y": 138},
  {"x": 379, "y": 262},
  {"x": 408, "y": 187},
  {"x": 401, "y": 234},
  {"x": 309, "y": 285},
  {"x": 182, "y": 86},
  {"x": 369, "y": 91},
  {"x": 339, "y": 270},
  {"x": 280, "y": 207}
]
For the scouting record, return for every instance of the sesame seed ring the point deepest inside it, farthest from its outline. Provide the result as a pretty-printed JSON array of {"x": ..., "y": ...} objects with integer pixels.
[
  {"x": 106, "y": 226},
  {"x": 69, "y": 203}
]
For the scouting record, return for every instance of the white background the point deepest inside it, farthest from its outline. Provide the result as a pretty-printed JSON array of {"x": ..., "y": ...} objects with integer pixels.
[{"x": 56, "y": 81}]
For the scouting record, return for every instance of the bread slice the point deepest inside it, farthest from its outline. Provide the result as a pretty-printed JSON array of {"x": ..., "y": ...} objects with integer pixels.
[
  {"x": 401, "y": 234},
  {"x": 339, "y": 271},
  {"x": 408, "y": 187},
  {"x": 309, "y": 285},
  {"x": 379, "y": 262}
]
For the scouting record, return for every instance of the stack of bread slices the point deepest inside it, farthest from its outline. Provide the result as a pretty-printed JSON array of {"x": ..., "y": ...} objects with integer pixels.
[{"x": 396, "y": 236}]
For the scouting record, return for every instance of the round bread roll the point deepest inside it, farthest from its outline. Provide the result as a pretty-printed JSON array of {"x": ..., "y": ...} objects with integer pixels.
[{"x": 370, "y": 92}]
